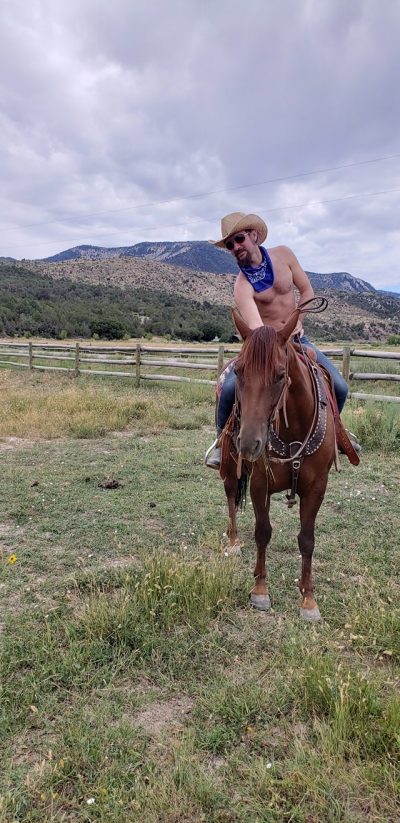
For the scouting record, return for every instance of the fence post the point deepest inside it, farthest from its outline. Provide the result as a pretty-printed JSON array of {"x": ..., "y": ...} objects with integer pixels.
[
  {"x": 220, "y": 366},
  {"x": 30, "y": 355},
  {"x": 346, "y": 363},
  {"x": 138, "y": 352},
  {"x": 76, "y": 367}
]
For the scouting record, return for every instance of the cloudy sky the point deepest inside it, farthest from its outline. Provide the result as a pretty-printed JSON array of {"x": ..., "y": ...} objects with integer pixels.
[{"x": 135, "y": 120}]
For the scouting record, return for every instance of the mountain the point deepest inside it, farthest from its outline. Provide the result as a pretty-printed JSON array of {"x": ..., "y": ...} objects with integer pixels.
[
  {"x": 389, "y": 293},
  {"x": 133, "y": 272},
  {"x": 32, "y": 303},
  {"x": 356, "y": 311},
  {"x": 198, "y": 255},
  {"x": 341, "y": 280},
  {"x": 193, "y": 254},
  {"x": 122, "y": 297},
  {"x": 201, "y": 257}
]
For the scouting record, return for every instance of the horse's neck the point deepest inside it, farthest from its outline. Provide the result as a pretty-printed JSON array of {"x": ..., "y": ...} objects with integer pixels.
[{"x": 300, "y": 396}]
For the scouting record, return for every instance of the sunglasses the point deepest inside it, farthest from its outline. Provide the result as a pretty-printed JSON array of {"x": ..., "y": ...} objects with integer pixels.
[{"x": 238, "y": 238}]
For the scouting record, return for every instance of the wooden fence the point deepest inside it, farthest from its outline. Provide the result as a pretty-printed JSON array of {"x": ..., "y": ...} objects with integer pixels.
[{"x": 141, "y": 362}]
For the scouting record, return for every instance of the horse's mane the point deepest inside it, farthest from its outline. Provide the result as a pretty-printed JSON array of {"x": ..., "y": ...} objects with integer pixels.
[{"x": 260, "y": 354}]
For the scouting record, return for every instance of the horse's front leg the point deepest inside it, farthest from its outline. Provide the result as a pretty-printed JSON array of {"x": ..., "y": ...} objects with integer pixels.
[
  {"x": 230, "y": 486},
  {"x": 309, "y": 507},
  {"x": 259, "y": 597}
]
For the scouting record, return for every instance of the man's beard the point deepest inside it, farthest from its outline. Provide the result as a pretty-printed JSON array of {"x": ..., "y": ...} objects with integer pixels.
[{"x": 243, "y": 259}]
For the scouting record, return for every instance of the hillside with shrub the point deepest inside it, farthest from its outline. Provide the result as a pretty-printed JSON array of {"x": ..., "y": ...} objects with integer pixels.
[
  {"x": 32, "y": 304},
  {"x": 122, "y": 299}
]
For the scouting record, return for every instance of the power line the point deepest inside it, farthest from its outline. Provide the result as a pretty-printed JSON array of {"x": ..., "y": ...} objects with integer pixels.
[
  {"x": 207, "y": 194},
  {"x": 213, "y": 219}
]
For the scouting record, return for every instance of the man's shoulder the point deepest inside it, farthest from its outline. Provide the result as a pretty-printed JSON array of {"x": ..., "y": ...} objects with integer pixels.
[
  {"x": 282, "y": 251},
  {"x": 241, "y": 282}
]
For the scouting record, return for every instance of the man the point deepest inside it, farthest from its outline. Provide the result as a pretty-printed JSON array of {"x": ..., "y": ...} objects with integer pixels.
[{"x": 264, "y": 295}]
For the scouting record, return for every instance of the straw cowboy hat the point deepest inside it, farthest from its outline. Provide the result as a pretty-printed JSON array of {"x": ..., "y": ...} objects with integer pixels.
[{"x": 238, "y": 221}]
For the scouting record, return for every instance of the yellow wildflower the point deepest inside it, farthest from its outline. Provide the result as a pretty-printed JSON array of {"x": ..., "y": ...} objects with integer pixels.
[{"x": 12, "y": 558}]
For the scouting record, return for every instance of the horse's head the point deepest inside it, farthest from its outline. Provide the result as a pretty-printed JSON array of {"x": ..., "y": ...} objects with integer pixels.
[{"x": 261, "y": 370}]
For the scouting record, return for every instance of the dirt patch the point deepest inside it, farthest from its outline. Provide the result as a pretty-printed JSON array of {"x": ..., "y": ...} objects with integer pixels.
[
  {"x": 301, "y": 732},
  {"x": 9, "y": 534},
  {"x": 14, "y": 604},
  {"x": 10, "y": 443},
  {"x": 131, "y": 688},
  {"x": 33, "y": 749},
  {"x": 164, "y": 715},
  {"x": 153, "y": 525},
  {"x": 123, "y": 433}
]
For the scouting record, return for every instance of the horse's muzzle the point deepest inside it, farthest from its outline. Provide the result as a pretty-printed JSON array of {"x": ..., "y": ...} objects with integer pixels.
[{"x": 249, "y": 446}]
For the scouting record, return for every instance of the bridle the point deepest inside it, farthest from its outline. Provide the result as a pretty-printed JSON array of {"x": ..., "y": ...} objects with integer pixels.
[{"x": 295, "y": 451}]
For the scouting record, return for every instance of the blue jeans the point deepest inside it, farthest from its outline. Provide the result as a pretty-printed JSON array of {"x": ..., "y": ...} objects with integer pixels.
[
  {"x": 227, "y": 397},
  {"x": 339, "y": 383}
]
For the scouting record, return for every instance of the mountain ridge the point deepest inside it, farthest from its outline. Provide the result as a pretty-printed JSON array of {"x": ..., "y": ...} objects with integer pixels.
[{"x": 200, "y": 256}]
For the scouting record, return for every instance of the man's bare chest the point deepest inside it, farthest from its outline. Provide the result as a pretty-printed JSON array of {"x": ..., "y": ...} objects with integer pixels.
[{"x": 282, "y": 285}]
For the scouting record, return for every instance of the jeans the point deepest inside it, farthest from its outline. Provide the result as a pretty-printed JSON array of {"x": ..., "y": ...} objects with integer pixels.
[
  {"x": 227, "y": 398},
  {"x": 339, "y": 383}
]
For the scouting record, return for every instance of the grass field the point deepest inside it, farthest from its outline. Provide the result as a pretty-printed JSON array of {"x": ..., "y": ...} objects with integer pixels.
[{"x": 137, "y": 683}]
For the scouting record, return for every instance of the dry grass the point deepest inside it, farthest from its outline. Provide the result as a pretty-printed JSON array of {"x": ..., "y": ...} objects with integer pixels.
[{"x": 45, "y": 406}]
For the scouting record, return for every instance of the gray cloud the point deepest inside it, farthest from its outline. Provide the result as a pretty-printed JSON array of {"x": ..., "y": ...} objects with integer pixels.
[{"x": 109, "y": 107}]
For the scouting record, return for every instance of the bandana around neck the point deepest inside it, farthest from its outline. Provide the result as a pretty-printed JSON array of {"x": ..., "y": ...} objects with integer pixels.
[{"x": 261, "y": 277}]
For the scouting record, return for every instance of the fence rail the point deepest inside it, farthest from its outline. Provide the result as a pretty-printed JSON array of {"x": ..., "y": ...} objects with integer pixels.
[{"x": 79, "y": 358}]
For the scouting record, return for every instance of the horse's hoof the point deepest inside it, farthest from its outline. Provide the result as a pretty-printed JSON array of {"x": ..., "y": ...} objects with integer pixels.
[
  {"x": 312, "y": 615},
  {"x": 233, "y": 551},
  {"x": 260, "y": 601}
]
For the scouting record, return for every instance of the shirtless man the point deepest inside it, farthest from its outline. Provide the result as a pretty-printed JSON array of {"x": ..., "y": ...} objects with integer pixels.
[{"x": 264, "y": 295}]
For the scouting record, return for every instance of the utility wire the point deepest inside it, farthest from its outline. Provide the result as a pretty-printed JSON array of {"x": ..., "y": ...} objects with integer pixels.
[
  {"x": 206, "y": 194},
  {"x": 213, "y": 219}
]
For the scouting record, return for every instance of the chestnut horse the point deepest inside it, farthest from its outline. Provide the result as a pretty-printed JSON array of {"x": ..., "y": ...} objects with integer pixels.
[{"x": 277, "y": 437}]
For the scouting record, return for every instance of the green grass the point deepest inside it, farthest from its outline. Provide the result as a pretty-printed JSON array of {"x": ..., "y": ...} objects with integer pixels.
[
  {"x": 134, "y": 673},
  {"x": 377, "y": 425}
]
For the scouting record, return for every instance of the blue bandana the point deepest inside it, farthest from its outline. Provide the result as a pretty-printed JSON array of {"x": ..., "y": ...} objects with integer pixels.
[{"x": 261, "y": 277}]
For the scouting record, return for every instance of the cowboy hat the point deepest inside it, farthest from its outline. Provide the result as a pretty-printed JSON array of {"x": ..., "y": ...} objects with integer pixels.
[{"x": 238, "y": 221}]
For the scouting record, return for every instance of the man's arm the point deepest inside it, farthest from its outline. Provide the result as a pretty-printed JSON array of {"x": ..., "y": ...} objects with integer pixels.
[
  {"x": 244, "y": 300},
  {"x": 300, "y": 279}
]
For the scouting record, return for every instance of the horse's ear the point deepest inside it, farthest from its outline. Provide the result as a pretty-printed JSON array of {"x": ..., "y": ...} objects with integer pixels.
[
  {"x": 241, "y": 326},
  {"x": 287, "y": 330}
]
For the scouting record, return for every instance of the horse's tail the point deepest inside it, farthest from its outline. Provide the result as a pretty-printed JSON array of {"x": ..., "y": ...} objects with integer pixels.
[{"x": 241, "y": 491}]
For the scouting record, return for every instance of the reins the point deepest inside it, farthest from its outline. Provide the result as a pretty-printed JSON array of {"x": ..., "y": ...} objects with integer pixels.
[
  {"x": 321, "y": 305},
  {"x": 275, "y": 416}
]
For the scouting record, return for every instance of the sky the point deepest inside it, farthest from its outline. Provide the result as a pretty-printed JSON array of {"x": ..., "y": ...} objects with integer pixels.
[{"x": 133, "y": 120}]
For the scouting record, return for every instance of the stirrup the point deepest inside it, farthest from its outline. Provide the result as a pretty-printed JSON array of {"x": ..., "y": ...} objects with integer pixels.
[
  {"x": 354, "y": 441},
  {"x": 213, "y": 464}
]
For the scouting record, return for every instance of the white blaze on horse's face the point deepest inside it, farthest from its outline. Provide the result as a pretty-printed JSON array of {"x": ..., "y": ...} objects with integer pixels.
[{"x": 258, "y": 402}]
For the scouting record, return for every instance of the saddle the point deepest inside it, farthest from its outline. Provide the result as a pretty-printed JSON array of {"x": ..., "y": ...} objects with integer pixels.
[
  {"x": 343, "y": 441},
  {"x": 325, "y": 393}
]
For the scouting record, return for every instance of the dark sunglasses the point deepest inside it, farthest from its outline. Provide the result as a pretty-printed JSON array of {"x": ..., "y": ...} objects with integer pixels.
[{"x": 238, "y": 238}]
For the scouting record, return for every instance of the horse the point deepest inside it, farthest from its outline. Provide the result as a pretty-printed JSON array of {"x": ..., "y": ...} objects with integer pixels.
[{"x": 281, "y": 435}]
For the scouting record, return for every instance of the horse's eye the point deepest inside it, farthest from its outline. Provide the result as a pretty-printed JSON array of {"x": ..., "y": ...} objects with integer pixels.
[{"x": 281, "y": 375}]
